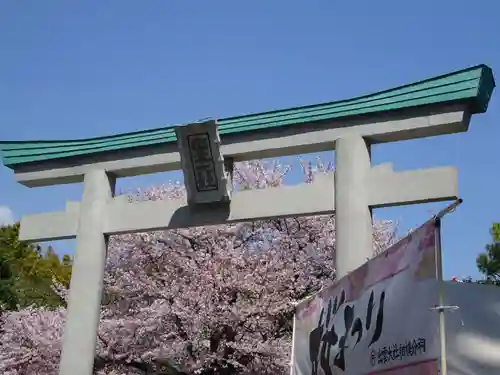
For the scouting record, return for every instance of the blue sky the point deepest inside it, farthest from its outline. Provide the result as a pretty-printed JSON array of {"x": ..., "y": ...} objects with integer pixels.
[{"x": 90, "y": 68}]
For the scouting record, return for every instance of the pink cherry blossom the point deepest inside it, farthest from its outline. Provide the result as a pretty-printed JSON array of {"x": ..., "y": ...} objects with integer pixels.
[{"x": 207, "y": 301}]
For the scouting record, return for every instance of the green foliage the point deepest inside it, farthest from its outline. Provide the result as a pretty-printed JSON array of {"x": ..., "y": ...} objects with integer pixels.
[
  {"x": 8, "y": 298},
  {"x": 26, "y": 272},
  {"x": 488, "y": 263}
]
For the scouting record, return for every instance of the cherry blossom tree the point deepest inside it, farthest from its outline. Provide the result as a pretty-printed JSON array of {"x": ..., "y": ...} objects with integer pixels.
[{"x": 210, "y": 301}]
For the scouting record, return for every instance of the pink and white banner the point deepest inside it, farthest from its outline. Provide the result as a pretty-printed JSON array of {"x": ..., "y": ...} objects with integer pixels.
[{"x": 376, "y": 320}]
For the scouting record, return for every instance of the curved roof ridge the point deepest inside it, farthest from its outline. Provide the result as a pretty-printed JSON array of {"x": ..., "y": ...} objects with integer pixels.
[{"x": 472, "y": 85}]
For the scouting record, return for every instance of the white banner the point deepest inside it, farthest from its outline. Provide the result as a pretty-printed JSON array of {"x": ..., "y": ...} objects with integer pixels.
[{"x": 376, "y": 320}]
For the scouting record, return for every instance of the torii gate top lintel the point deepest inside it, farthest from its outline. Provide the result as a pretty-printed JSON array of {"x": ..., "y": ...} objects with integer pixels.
[{"x": 435, "y": 106}]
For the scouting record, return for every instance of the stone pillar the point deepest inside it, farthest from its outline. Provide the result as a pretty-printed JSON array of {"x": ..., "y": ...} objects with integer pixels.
[
  {"x": 84, "y": 305},
  {"x": 354, "y": 241}
]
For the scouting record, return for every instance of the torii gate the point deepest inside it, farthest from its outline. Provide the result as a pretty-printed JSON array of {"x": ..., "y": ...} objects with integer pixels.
[{"x": 440, "y": 105}]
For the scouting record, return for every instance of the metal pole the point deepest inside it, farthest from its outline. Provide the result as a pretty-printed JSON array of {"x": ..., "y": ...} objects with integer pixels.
[
  {"x": 292, "y": 356},
  {"x": 439, "y": 269},
  {"x": 452, "y": 207},
  {"x": 441, "y": 286}
]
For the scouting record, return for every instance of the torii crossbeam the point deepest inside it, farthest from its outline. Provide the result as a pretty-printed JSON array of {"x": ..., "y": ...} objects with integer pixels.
[{"x": 440, "y": 105}]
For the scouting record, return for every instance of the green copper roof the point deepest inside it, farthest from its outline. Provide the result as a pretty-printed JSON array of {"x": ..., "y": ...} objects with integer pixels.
[{"x": 473, "y": 86}]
